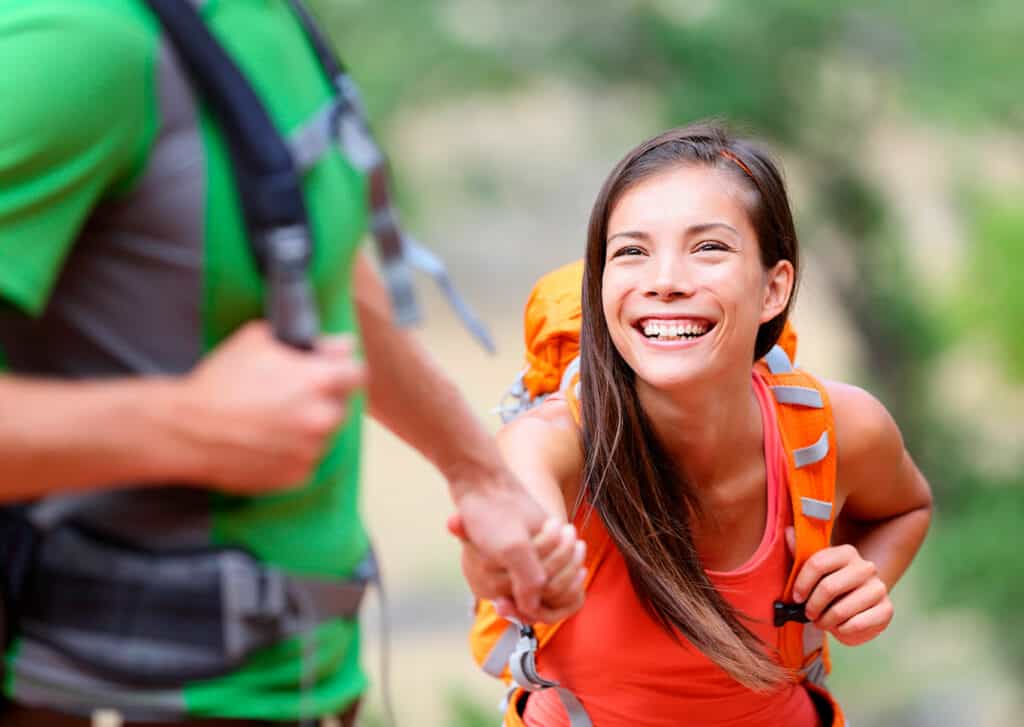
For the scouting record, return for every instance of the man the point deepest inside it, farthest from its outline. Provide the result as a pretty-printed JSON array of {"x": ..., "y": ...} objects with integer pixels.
[{"x": 143, "y": 409}]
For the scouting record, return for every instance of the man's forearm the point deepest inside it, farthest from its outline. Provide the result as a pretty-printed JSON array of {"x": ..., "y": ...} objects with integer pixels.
[
  {"x": 409, "y": 394},
  {"x": 60, "y": 436}
]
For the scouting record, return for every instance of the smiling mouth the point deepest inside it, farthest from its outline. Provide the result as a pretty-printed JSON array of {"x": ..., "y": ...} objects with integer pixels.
[{"x": 682, "y": 329}]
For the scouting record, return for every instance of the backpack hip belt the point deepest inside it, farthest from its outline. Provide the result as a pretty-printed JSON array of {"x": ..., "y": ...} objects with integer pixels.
[{"x": 157, "y": 619}]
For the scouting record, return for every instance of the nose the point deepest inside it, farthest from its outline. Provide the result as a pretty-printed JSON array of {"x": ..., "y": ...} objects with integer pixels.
[{"x": 670, "y": 279}]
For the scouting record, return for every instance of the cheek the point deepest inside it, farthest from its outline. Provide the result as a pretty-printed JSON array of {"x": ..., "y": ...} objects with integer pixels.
[{"x": 612, "y": 297}]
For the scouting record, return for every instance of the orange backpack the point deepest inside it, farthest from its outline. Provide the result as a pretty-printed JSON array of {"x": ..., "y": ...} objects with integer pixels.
[{"x": 513, "y": 652}]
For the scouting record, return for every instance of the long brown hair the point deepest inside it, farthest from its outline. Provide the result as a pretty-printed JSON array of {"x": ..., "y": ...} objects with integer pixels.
[{"x": 641, "y": 496}]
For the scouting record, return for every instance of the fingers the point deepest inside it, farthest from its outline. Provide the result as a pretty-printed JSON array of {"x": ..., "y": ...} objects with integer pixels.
[
  {"x": 564, "y": 578},
  {"x": 846, "y": 596},
  {"x": 837, "y": 584},
  {"x": 338, "y": 378},
  {"x": 819, "y": 565},
  {"x": 505, "y": 608},
  {"x": 570, "y": 603},
  {"x": 866, "y": 625},
  {"x": 528, "y": 577},
  {"x": 558, "y": 558},
  {"x": 484, "y": 580},
  {"x": 861, "y": 599},
  {"x": 549, "y": 537},
  {"x": 457, "y": 527}
]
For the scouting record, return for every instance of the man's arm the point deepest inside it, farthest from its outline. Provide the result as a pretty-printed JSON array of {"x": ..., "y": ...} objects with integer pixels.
[
  {"x": 253, "y": 417},
  {"x": 61, "y": 437},
  {"x": 410, "y": 395}
]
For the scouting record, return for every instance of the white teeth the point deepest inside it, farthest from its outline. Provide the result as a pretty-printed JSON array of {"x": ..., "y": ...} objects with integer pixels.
[{"x": 673, "y": 329}]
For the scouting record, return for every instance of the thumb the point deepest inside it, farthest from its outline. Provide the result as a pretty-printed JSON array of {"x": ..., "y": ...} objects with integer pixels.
[
  {"x": 456, "y": 527},
  {"x": 791, "y": 540}
]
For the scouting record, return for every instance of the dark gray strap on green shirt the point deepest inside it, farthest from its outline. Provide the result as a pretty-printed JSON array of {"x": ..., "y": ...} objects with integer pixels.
[{"x": 399, "y": 252}]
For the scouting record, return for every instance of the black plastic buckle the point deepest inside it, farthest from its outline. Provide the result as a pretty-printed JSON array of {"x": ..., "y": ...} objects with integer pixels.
[{"x": 785, "y": 612}]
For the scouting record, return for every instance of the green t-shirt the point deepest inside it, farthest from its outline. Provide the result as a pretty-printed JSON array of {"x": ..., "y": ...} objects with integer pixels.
[{"x": 123, "y": 250}]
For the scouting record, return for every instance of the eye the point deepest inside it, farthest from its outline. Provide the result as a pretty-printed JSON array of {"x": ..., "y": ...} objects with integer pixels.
[
  {"x": 711, "y": 246},
  {"x": 628, "y": 250}
]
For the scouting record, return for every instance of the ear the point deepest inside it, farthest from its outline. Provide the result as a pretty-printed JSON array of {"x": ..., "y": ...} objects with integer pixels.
[{"x": 778, "y": 287}]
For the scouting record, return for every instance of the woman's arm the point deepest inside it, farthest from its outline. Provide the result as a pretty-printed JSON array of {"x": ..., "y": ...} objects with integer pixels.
[
  {"x": 885, "y": 502},
  {"x": 542, "y": 447},
  {"x": 885, "y": 509}
]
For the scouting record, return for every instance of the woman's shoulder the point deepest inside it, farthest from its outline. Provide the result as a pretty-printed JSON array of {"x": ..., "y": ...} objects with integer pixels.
[
  {"x": 546, "y": 439},
  {"x": 867, "y": 437},
  {"x": 863, "y": 419}
]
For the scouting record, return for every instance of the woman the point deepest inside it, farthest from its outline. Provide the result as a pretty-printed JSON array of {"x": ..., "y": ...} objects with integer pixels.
[{"x": 674, "y": 454}]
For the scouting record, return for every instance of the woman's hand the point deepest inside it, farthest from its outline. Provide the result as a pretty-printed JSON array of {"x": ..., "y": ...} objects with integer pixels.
[
  {"x": 562, "y": 555},
  {"x": 842, "y": 594}
]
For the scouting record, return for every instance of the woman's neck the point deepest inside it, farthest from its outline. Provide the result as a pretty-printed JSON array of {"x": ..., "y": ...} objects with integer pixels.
[{"x": 707, "y": 430}]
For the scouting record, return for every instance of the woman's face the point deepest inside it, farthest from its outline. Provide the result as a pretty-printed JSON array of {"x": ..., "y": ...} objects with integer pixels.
[{"x": 684, "y": 290}]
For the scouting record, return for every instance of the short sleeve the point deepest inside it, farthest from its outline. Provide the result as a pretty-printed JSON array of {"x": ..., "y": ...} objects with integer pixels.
[{"x": 77, "y": 114}]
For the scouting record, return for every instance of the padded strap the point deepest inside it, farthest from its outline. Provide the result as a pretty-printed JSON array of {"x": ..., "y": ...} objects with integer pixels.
[{"x": 808, "y": 435}]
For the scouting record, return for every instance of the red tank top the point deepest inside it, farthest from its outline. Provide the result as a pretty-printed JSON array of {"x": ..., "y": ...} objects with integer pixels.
[{"x": 629, "y": 673}]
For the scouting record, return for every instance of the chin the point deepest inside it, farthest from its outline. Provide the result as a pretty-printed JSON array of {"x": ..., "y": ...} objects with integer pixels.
[{"x": 664, "y": 378}]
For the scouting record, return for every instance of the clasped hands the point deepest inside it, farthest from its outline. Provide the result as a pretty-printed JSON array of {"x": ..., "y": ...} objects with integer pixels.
[{"x": 534, "y": 579}]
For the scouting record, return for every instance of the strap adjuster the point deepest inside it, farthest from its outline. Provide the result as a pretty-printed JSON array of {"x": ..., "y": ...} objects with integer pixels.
[
  {"x": 523, "y": 665},
  {"x": 785, "y": 612}
]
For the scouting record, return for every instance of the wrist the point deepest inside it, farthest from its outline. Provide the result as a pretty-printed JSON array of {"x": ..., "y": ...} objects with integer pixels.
[
  {"x": 178, "y": 420},
  {"x": 484, "y": 471}
]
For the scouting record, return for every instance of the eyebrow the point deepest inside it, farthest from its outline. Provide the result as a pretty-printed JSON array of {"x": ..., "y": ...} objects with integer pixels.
[{"x": 691, "y": 230}]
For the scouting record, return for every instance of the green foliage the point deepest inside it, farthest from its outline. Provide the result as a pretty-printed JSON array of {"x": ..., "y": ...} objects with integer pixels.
[
  {"x": 973, "y": 559},
  {"x": 993, "y": 298}
]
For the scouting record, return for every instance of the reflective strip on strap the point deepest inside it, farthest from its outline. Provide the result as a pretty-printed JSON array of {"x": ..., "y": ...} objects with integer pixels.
[
  {"x": 798, "y": 395},
  {"x": 311, "y": 141},
  {"x": 578, "y": 716},
  {"x": 571, "y": 370},
  {"x": 498, "y": 658},
  {"x": 339, "y": 120},
  {"x": 814, "y": 453},
  {"x": 815, "y": 672},
  {"x": 427, "y": 262},
  {"x": 777, "y": 360},
  {"x": 814, "y": 639},
  {"x": 817, "y": 509}
]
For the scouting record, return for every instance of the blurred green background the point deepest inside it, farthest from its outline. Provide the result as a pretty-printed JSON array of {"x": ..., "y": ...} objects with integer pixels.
[{"x": 898, "y": 125}]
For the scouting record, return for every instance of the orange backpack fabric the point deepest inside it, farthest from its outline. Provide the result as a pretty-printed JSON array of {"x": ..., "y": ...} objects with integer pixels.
[{"x": 552, "y": 324}]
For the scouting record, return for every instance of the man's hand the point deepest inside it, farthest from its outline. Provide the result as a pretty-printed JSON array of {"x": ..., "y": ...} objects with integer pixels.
[
  {"x": 561, "y": 554},
  {"x": 259, "y": 414},
  {"x": 501, "y": 519},
  {"x": 842, "y": 594}
]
